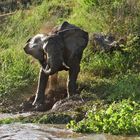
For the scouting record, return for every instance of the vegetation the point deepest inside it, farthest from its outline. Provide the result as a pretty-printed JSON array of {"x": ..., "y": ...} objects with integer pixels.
[
  {"x": 117, "y": 118},
  {"x": 114, "y": 78}
]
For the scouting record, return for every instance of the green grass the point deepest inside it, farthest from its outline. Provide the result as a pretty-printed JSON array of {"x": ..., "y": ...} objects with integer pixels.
[
  {"x": 106, "y": 77},
  {"x": 15, "y": 71}
]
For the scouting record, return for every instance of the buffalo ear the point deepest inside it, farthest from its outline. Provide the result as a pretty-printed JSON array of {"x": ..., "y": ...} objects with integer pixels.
[{"x": 64, "y": 25}]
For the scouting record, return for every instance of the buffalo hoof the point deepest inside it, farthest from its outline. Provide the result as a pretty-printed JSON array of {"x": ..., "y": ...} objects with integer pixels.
[
  {"x": 47, "y": 105},
  {"x": 39, "y": 107},
  {"x": 38, "y": 100},
  {"x": 52, "y": 96}
]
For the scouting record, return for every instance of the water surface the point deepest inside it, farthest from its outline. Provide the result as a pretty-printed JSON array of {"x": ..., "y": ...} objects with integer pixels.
[{"x": 18, "y": 131}]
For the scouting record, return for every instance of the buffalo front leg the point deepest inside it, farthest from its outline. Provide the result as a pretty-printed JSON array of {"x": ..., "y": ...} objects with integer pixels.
[
  {"x": 42, "y": 83},
  {"x": 71, "y": 82}
]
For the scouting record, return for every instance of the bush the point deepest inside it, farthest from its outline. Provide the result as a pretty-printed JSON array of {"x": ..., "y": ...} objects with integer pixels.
[{"x": 117, "y": 118}]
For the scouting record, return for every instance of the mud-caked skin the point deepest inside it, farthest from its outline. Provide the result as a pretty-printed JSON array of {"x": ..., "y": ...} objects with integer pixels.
[{"x": 60, "y": 50}]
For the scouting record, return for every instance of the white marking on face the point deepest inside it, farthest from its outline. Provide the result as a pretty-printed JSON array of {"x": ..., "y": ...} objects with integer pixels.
[
  {"x": 45, "y": 46},
  {"x": 44, "y": 38},
  {"x": 33, "y": 42}
]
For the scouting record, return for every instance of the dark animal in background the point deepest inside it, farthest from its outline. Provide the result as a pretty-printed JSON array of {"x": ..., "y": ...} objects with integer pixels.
[
  {"x": 106, "y": 43},
  {"x": 25, "y": 3},
  {"x": 60, "y": 50},
  {"x": 8, "y": 6}
]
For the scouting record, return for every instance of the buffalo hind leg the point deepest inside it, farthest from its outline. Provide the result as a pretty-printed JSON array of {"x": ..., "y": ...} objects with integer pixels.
[{"x": 42, "y": 83}]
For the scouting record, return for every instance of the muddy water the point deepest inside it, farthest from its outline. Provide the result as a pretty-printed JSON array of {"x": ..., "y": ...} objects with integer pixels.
[{"x": 18, "y": 131}]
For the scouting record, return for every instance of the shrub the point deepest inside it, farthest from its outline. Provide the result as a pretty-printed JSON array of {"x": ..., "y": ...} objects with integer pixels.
[{"x": 117, "y": 118}]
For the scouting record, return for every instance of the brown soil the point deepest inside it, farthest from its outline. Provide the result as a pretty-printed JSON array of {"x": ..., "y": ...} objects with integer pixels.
[
  {"x": 22, "y": 100},
  {"x": 51, "y": 98},
  {"x": 12, "y": 103}
]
